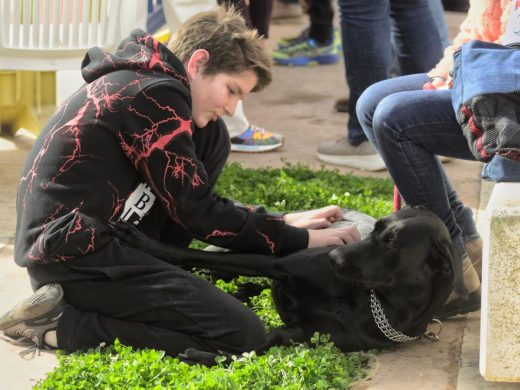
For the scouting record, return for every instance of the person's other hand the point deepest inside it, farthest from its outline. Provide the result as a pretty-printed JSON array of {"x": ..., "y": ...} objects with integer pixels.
[
  {"x": 336, "y": 236},
  {"x": 314, "y": 219}
]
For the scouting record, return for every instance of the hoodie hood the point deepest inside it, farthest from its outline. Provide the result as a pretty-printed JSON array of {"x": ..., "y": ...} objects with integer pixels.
[{"x": 140, "y": 51}]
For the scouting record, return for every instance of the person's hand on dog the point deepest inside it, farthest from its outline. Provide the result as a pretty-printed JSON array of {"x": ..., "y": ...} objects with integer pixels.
[
  {"x": 336, "y": 236},
  {"x": 314, "y": 219}
]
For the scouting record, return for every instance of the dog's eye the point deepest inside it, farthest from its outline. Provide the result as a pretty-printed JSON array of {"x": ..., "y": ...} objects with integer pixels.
[{"x": 390, "y": 241}]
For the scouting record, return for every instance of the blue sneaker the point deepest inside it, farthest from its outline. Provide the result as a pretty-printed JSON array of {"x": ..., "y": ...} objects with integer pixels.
[
  {"x": 283, "y": 43},
  {"x": 308, "y": 52},
  {"x": 301, "y": 37},
  {"x": 255, "y": 140}
]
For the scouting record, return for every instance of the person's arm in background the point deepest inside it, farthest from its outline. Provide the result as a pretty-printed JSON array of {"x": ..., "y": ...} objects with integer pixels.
[{"x": 486, "y": 21}]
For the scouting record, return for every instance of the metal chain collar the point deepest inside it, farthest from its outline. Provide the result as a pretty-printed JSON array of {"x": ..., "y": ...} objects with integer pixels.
[{"x": 383, "y": 324}]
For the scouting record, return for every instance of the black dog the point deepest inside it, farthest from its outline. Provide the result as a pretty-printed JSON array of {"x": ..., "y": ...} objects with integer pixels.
[{"x": 374, "y": 293}]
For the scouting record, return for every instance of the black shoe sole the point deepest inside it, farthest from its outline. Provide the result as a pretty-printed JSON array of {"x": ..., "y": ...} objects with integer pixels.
[
  {"x": 43, "y": 301},
  {"x": 341, "y": 105},
  {"x": 460, "y": 306}
]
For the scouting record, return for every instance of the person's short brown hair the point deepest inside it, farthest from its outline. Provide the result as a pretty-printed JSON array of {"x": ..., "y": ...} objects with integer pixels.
[{"x": 233, "y": 48}]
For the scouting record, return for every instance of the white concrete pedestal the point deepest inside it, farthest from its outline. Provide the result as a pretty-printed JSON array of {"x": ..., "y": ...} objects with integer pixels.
[{"x": 500, "y": 314}]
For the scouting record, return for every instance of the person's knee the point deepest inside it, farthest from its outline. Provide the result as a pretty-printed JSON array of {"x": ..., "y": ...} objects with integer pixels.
[
  {"x": 365, "y": 108},
  {"x": 384, "y": 120},
  {"x": 246, "y": 331},
  {"x": 253, "y": 333}
]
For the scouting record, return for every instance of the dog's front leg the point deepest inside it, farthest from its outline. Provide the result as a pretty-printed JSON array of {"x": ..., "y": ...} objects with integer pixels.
[
  {"x": 284, "y": 336},
  {"x": 194, "y": 356},
  {"x": 247, "y": 264}
]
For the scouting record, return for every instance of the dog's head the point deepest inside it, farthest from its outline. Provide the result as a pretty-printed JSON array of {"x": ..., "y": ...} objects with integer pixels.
[{"x": 411, "y": 247}]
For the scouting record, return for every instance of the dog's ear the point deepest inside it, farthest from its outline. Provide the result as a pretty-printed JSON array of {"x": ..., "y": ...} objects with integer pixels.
[
  {"x": 450, "y": 262},
  {"x": 447, "y": 276}
]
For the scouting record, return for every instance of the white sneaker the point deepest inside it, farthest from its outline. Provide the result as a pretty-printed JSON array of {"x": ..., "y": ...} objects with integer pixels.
[{"x": 341, "y": 152}]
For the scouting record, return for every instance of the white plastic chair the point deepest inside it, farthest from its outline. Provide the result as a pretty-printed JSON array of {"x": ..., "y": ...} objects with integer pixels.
[
  {"x": 54, "y": 35},
  {"x": 48, "y": 35}
]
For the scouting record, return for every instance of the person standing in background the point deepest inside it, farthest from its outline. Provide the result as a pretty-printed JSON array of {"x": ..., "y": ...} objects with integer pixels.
[
  {"x": 410, "y": 119},
  {"x": 318, "y": 43},
  {"x": 374, "y": 33},
  {"x": 246, "y": 137}
]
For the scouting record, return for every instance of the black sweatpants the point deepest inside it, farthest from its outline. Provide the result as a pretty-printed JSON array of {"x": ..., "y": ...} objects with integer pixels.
[{"x": 120, "y": 292}]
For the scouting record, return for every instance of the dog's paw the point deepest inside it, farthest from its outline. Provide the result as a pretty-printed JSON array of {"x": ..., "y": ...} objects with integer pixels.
[{"x": 194, "y": 356}]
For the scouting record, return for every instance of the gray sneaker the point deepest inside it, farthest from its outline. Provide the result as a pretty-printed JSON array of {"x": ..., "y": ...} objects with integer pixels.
[
  {"x": 341, "y": 152},
  {"x": 34, "y": 316}
]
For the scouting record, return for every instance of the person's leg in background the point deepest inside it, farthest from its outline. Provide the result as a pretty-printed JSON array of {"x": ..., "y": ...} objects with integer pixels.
[
  {"x": 341, "y": 104},
  {"x": 456, "y": 5},
  {"x": 241, "y": 6},
  {"x": 257, "y": 14},
  {"x": 316, "y": 44},
  {"x": 249, "y": 138},
  {"x": 367, "y": 30},
  {"x": 367, "y": 51},
  {"x": 260, "y": 14},
  {"x": 419, "y": 44},
  {"x": 366, "y": 107},
  {"x": 439, "y": 18},
  {"x": 246, "y": 137},
  {"x": 238, "y": 122},
  {"x": 409, "y": 126},
  {"x": 321, "y": 15}
]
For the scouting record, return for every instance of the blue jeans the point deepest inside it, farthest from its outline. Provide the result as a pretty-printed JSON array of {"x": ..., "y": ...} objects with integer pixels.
[
  {"x": 369, "y": 27},
  {"x": 409, "y": 126}
]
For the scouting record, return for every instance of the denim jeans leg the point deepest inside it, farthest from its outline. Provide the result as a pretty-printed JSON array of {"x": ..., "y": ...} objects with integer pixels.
[
  {"x": 419, "y": 42},
  {"x": 437, "y": 11},
  {"x": 369, "y": 100},
  {"x": 367, "y": 51},
  {"x": 466, "y": 222},
  {"x": 409, "y": 128},
  {"x": 367, "y": 28}
]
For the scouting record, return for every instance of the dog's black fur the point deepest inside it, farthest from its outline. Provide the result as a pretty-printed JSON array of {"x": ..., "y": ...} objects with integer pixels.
[{"x": 408, "y": 260}]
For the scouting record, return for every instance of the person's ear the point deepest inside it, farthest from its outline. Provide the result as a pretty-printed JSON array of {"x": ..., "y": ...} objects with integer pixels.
[{"x": 196, "y": 63}]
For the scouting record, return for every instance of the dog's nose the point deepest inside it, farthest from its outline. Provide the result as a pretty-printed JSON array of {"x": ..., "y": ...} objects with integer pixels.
[{"x": 336, "y": 258}]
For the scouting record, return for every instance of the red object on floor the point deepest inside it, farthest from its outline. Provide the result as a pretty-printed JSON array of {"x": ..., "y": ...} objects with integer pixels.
[{"x": 397, "y": 199}]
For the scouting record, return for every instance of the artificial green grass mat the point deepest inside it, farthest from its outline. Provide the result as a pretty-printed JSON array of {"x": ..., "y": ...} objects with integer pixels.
[{"x": 317, "y": 366}]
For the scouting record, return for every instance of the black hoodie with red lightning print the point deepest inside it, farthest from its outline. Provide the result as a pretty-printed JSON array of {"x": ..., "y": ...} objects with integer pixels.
[{"x": 120, "y": 148}]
